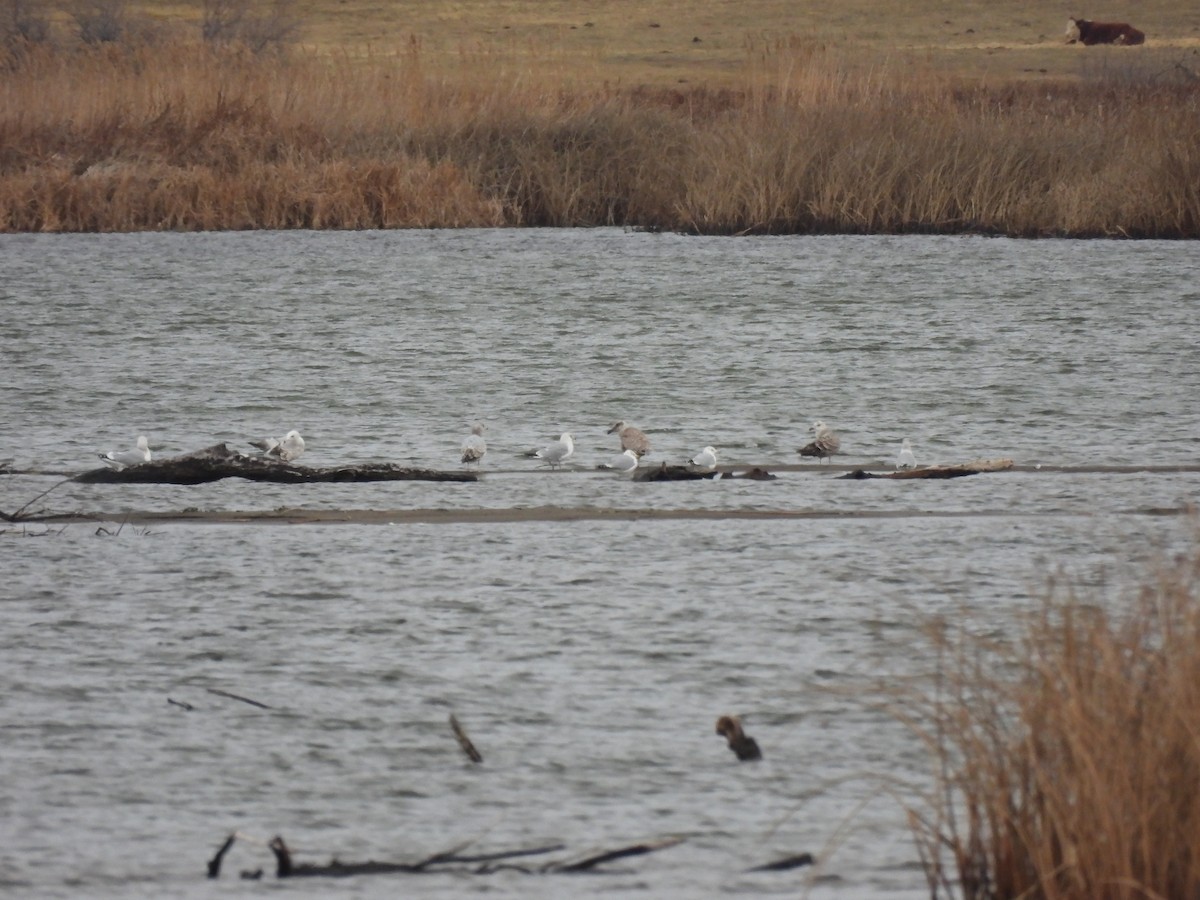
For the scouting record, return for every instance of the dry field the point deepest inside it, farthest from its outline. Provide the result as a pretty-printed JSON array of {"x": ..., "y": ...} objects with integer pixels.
[{"x": 722, "y": 42}]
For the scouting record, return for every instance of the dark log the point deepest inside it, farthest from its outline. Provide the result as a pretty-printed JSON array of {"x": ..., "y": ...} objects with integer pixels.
[
  {"x": 214, "y": 864},
  {"x": 221, "y": 693},
  {"x": 219, "y": 461},
  {"x": 783, "y": 865},
  {"x": 181, "y": 704},
  {"x": 665, "y": 472},
  {"x": 756, "y": 473},
  {"x": 501, "y": 854},
  {"x": 464, "y": 741},
  {"x": 286, "y": 868},
  {"x": 955, "y": 471},
  {"x": 591, "y": 862},
  {"x": 451, "y": 857}
]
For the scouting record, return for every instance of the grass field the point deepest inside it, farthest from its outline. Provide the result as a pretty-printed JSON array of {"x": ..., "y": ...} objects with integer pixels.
[{"x": 717, "y": 42}]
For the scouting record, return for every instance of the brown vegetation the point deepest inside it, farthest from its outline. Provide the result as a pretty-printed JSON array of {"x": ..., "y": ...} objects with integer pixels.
[
  {"x": 1069, "y": 759},
  {"x": 189, "y": 136}
]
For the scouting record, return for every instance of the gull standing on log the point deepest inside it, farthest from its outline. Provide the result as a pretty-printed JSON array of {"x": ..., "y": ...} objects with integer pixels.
[
  {"x": 119, "y": 459},
  {"x": 631, "y": 438},
  {"x": 474, "y": 447},
  {"x": 287, "y": 449},
  {"x": 905, "y": 459},
  {"x": 825, "y": 442},
  {"x": 706, "y": 458},
  {"x": 626, "y": 462},
  {"x": 558, "y": 451}
]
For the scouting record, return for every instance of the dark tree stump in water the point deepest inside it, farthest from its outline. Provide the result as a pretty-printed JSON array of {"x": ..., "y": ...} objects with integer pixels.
[
  {"x": 665, "y": 472},
  {"x": 786, "y": 864},
  {"x": 755, "y": 473},
  {"x": 218, "y": 461},
  {"x": 214, "y": 864},
  {"x": 955, "y": 471}
]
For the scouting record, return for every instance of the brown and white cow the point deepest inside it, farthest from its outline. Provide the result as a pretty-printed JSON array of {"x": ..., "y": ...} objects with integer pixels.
[{"x": 1088, "y": 33}]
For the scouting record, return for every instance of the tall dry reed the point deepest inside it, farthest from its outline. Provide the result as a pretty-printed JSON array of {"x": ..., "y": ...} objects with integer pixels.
[
  {"x": 183, "y": 136},
  {"x": 1069, "y": 752}
]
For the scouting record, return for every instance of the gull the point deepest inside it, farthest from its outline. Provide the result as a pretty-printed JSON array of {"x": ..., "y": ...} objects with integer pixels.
[
  {"x": 558, "y": 451},
  {"x": 288, "y": 448},
  {"x": 905, "y": 459},
  {"x": 631, "y": 438},
  {"x": 119, "y": 459},
  {"x": 626, "y": 462},
  {"x": 706, "y": 458},
  {"x": 825, "y": 442},
  {"x": 474, "y": 447}
]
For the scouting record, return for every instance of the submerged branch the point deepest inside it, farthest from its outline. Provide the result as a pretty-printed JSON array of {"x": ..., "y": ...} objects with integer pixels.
[
  {"x": 287, "y": 867},
  {"x": 463, "y": 741},
  {"x": 20, "y": 514}
]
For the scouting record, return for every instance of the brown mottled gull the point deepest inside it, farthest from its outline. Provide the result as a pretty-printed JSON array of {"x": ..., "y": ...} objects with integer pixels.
[
  {"x": 631, "y": 438},
  {"x": 825, "y": 442}
]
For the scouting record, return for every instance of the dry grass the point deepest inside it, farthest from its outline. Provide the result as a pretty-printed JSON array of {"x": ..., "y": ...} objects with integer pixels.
[
  {"x": 1069, "y": 753},
  {"x": 177, "y": 135}
]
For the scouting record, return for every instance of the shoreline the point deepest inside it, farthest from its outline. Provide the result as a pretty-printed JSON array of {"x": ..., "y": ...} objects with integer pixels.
[
  {"x": 512, "y": 515},
  {"x": 182, "y": 137}
]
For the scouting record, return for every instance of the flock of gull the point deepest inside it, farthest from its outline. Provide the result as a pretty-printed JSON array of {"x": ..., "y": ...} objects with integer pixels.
[
  {"x": 634, "y": 445},
  {"x": 287, "y": 448}
]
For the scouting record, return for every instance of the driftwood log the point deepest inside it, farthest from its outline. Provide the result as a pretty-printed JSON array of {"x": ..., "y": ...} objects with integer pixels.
[
  {"x": 477, "y": 864},
  {"x": 666, "y": 472},
  {"x": 754, "y": 473},
  {"x": 219, "y": 461},
  {"x": 485, "y": 863},
  {"x": 955, "y": 471},
  {"x": 786, "y": 864}
]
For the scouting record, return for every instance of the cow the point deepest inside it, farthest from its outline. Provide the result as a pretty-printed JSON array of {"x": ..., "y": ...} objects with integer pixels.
[{"x": 1088, "y": 33}]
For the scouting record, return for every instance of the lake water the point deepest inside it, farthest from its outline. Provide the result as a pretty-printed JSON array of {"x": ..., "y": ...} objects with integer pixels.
[{"x": 587, "y": 659}]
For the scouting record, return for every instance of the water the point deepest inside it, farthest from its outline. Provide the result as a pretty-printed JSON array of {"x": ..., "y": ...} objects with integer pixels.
[{"x": 587, "y": 659}]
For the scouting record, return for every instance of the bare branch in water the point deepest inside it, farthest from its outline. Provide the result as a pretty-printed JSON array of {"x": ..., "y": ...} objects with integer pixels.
[
  {"x": 221, "y": 693},
  {"x": 21, "y": 514},
  {"x": 464, "y": 741}
]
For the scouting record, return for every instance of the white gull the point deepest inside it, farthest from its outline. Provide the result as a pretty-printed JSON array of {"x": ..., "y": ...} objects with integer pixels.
[
  {"x": 706, "y": 458},
  {"x": 558, "y": 451},
  {"x": 474, "y": 447},
  {"x": 119, "y": 459},
  {"x": 288, "y": 448},
  {"x": 626, "y": 462}
]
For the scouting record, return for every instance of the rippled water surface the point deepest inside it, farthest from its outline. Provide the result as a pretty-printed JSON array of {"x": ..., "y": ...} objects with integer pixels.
[{"x": 588, "y": 659}]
